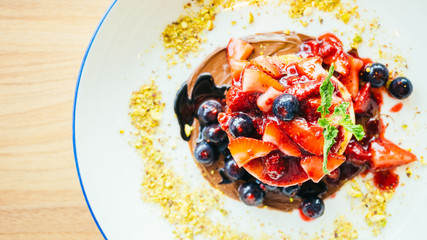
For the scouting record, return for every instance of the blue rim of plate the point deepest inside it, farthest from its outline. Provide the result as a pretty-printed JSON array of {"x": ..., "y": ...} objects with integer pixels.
[{"x": 74, "y": 113}]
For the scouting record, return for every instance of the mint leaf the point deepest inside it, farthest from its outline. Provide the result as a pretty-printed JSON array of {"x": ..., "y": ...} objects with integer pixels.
[
  {"x": 329, "y": 134},
  {"x": 326, "y": 90},
  {"x": 357, "y": 130},
  {"x": 338, "y": 117}
]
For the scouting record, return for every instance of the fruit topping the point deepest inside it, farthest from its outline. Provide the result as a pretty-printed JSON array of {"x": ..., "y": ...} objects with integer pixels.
[
  {"x": 331, "y": 50},
  {"x": 386, "y": 155},
  {"x": 255, "y": 80},
  {"x": 375, "y": 73},
  {"x": 205, "y": 153},
  {"x": 306, "y": 135},
  {"x": 312, "y": 207},
  {"x": 241, "y": 125},
  {"x": 251, "y": 194},
  {"x": 400, "y": 88},
  {"x": 237, "y": 100},
  {"x": 233, "y": 171},
  {"x": 274, "y": 134},
  {"x": 356, "y": 154},
  {"x": 265, "y": 100},
  {"x": 266, "y": 187},
  {"x": 293, "y": 173},
  {"x": 313, "y": 165},
  {"x": 265, "y": 65},
  {"x": 361, "y": 102},
  {"x": 214, "y": 134},
  {"x": 274, "y": 164},
  {"x": 285, "y": 107},
  {"x": 208, "y": 111},
  {"x": 290, "y": 191},
  {"x": 238, "y": 49},
  {"x": 351, "y": 81},
  {"x": 246, "y": 149},
  {"x": 236, "y": 68}
]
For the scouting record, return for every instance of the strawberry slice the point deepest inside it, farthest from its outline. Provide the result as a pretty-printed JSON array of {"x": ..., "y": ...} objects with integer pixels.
[
  {"x": 237, "y": 100},
  {"x": 331, "y": 50},
  {"x": 386, "y": 155},
  {"x": 265, "y": 65},
  {"x": 265, "y": 100},
  {"x": 351, "y": 81},
  {"x": 307, "y": 136},
  {"x": 236, "y": 68},
  {"x": 223, "y": 119},
  {"x": 238, "y": 49},
  {"x": 292, "y": 173},
  {"x": 312, "y": 67},
  {"x": 313, "y": 165},
  {"x": 304, "y": 90},
  {"x": 245, "y": 149},
  {"x": 255, "y": 80},
  {"x": 361, "y": 102},
  {"x": 273, "y": 134},
  {"x": 314, "y": 103}
]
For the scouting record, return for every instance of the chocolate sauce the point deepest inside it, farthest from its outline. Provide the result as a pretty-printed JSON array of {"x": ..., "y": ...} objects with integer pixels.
[{"x": 186, "y": 108}]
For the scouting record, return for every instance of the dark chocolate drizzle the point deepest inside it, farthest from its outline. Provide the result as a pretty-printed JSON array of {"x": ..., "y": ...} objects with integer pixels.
[{"x": 186, "y": 108}]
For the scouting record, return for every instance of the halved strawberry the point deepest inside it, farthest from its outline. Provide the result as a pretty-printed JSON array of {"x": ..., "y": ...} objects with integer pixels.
[
  {"x": 361, "y": 102},
  {"x": 273, "y": 134},
  {"x": 351, "y": 81},
  {"x": 236, "y": 68},
  {"x": 307, "y": 136},
  {"x": 245, "y": 149},
  {"x": 265, "y": 65},
  {"x": 313, "y": 165},
  {"x": 265, "y": 100},
  {"x": 255, "y": 80},
  {"x": 386, "y": 154},
  {"x": 238, "y": 49},
  {"x": 331, "y": 50},
  {"x": 292, "y": 172},
  {"x": 237, "y": 100}
]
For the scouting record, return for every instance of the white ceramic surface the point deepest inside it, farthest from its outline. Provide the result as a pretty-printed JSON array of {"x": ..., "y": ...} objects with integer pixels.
[{"x": 117, "y": 64}]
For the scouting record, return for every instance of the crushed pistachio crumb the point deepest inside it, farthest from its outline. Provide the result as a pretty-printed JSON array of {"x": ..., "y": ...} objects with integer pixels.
[
  {"x": 344, "y": 230},
  {"x": 122, "y": 131},
  {"x": 251, "y": 18},
  {"x": 188, "y": 129},
  {"x": 356, "y": 41},
  {"x": 375, "y": 202}
]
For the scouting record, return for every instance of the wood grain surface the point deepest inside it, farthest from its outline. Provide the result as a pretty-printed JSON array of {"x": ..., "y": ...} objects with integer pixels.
[{"x": 42, "y": 43}]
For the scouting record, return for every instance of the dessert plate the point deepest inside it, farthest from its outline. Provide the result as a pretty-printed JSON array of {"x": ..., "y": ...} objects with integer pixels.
[{"x": 126, "y": 52}]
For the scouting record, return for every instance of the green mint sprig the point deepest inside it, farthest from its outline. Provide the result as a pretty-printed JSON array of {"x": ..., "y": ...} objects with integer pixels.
[{"x": 338, "y": 117}]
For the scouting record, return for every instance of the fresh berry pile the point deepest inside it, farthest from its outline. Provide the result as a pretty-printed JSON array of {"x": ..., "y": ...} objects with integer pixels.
[{"x": 289, "y": 126}]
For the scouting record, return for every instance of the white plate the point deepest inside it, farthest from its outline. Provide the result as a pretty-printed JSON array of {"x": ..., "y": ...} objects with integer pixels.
[{"x": 117, "y": 63}]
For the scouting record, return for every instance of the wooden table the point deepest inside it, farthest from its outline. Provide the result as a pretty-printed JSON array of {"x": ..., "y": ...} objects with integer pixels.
[{"x": 42, "y": 43}]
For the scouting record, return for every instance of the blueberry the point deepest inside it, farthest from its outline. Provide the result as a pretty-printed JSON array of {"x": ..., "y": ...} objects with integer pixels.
[
  {"x": 241, "y": 126},
  {"x": 205, "y": 153},
  {"x": 251, "y": 194},
  {"x": 290, "y": 191},
  {"x": 312, "y": 207},
  {"x": 214, "y": 134},
  {"x": 233, "y": 171},
  {"x": 310, "y": 188},
  {"x": 208, "y": 111},
  {"x": 285, "y": 107},
  {"x": 400, "y": 88},
  {"x": 375, "y": 73},
  {"x": 266, "y": 187}
]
